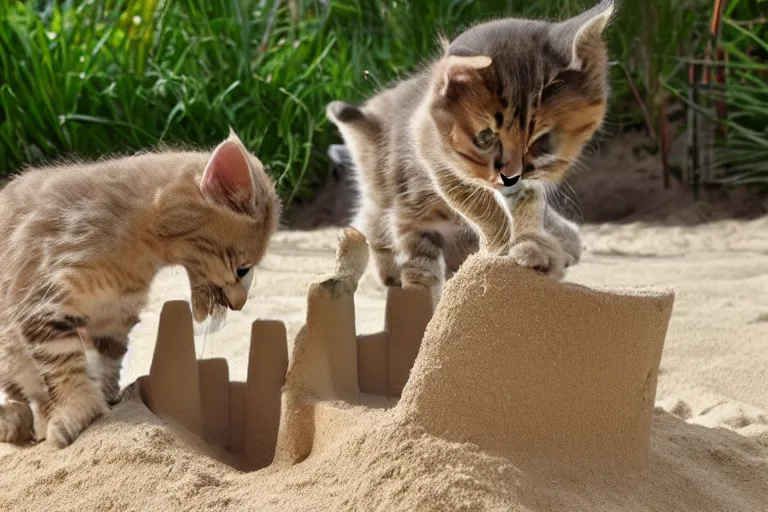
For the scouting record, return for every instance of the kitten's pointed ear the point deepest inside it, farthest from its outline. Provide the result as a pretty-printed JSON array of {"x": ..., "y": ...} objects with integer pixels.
[
  {"x": 458, "y": 71},
  {"x": 584, "y": 33},
  {"x": 227, "y": 175}
]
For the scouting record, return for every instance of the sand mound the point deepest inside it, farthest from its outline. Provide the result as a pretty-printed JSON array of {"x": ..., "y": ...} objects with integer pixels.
[
  {"x": 511, "y": 419},
  {"x": 522, "y": 365}
]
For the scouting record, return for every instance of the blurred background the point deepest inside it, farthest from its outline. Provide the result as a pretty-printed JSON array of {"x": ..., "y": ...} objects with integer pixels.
[{"x": 686, "y": 139}]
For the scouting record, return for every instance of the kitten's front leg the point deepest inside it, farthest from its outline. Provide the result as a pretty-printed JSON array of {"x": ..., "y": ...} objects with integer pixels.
[
  {"x": 111, "y": 350},
  {"x": 19, "y": 381},
  {"x": 532, "y": 246},
  {"x": 479, "y": 205},
  {"x": 423, "y": 264},
  {"x": 73, "y": 399},
  {"x": 16, "y": 421},
  {"x": 374, "y": 223}
]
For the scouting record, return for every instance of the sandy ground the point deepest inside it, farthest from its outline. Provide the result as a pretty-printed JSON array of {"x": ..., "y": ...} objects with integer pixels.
[
  {"x": 714, "y": 374},
  {"x": 716, "y": 354}
]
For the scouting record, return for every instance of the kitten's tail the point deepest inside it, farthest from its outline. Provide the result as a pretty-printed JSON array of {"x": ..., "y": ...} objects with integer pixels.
[{"x": 342, "y": 113}]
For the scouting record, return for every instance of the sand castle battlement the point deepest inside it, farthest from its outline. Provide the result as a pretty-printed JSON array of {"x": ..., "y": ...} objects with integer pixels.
[{"x": 514, "y": 362}]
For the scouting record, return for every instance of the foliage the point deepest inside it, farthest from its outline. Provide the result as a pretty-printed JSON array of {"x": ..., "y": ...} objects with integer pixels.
[{"x": 88, "y": 77}]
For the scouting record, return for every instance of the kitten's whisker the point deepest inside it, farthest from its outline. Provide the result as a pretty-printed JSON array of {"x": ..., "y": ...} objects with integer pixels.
[
  {"x": 560, "y": 197},
  {"x": 80, "y": 335},
  {"x": 575, "y": 205}
]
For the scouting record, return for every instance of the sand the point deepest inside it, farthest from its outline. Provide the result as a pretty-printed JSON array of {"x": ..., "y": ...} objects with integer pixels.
[{"x": 708, "y": 437}]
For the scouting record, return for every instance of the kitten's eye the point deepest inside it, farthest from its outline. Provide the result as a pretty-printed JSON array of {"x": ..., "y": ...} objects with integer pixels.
[
  {"x": 499, "y": 119},
  {"x": 242, "y": 272},
  {"x": 551, "y": 90},
  {"x": 542, "y": 145},
  {"x": 485, "y": 139}
]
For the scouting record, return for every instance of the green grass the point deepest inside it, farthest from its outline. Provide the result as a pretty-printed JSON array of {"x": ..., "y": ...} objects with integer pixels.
[
  {"x": 742, "y": 154},
  {"x": 89, "y": 77},
  {"x": 733, "y": 107}
]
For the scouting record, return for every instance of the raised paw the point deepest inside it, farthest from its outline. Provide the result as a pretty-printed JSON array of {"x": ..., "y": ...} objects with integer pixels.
[
  {"x": 68, "y": 422},
  {"x": 16, "y": 422},
  {"x": 540, "y": 253}
]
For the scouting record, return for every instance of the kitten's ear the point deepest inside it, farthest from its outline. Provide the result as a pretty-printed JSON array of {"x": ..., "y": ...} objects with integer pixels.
[
  {"x": 227, "y": 175},
  {"x": 584, "y": 33},
  {"x": 458, "y": 71}
]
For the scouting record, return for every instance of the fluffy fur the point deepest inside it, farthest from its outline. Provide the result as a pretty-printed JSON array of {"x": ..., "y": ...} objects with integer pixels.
[
  {"x": 79, "y": 248},
  {"x": 458, "y": 156}
]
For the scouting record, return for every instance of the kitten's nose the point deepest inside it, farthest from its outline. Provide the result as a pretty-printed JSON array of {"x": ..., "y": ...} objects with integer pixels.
[
  {"x": 236, "y": 296},
  {"x": 509, "y": 172},
  {"x": 509, "y": 182}
]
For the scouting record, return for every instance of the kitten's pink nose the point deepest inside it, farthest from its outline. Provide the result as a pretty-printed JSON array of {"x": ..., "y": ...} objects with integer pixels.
[{"x": 512, "y": 168}]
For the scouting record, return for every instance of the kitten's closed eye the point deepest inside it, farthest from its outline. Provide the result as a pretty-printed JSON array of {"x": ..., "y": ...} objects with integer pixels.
[
  {"x": 485, "y": 140},
  {"x": 542, "y": 145},
  {"x": 551, "y": 90}
]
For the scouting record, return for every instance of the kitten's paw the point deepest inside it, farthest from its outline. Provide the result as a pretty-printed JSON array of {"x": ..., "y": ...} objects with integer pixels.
[
  {"x": 415, "y": 277},
  {"x": 571, "y": 246},
  {"x": 16, "y": 422},
  {"x": 386, "y": 267},
  {"x": 541, "y": 253},
  {"x": 112, "y": 394},
  {"x": 421, "y": 278},
  {"x": 572, "y": 257},
  {"x": 390, "y": 280},
  {"x": 68, "y": 421}
]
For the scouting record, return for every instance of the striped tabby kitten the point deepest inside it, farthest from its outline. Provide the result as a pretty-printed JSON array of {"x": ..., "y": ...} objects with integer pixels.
[
  {"x": 458, "y": 156},
  {"x": 79, "y": 247}
]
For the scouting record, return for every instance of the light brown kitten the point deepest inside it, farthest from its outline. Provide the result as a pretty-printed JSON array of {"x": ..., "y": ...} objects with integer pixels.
[
  {"x": 79, "y": 247},
  {"x": 458, "y": 156}
]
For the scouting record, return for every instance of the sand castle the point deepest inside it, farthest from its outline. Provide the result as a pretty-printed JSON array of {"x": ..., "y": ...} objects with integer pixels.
[{"x": 578, "y": 368}]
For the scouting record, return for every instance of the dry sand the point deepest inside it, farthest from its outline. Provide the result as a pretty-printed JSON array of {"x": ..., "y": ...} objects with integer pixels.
[{"x": 709, "y": 445}]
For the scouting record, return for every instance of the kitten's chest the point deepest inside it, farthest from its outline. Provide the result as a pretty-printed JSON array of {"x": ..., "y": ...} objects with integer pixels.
[{"x": 112, "y": 313}]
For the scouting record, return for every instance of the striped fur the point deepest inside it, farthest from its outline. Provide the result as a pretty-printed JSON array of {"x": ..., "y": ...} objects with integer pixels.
[
  {"x": 431, "y": 189},
  {"x": 79, "y": 248}
]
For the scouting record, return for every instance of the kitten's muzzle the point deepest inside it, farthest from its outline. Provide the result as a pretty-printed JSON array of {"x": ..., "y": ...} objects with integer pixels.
[
  {"x": 509, "y": 182},
  {"x": 229, "y": 297},
  {"x": 233, "y": 296},
  {"x": 509, "y": 172}
]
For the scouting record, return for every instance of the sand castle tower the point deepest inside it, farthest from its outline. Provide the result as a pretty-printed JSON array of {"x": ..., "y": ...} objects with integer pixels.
[{"x": 512, "y": 361}]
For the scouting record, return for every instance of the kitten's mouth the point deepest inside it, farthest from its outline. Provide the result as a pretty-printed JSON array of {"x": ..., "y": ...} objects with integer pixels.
[
  {"x": 208, "y": 300},
  {"x": 220, "y": 297}
]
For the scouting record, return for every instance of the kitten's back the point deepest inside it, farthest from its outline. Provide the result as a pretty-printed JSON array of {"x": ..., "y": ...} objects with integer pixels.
[
  {"x": 378, "y": 135},
  {"x": 102, "y": 194}
]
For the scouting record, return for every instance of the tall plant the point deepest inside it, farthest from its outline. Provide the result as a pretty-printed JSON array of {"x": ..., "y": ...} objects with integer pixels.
[{"x": 730, "y": 107}]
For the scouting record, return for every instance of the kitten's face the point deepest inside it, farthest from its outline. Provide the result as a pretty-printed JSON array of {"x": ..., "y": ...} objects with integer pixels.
[
  {"x": 221, "y": 277},
  {"x": 509, "y": 105},
  {"x": 221, "y": 233}
]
